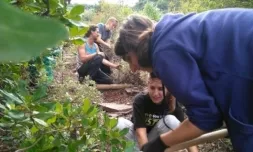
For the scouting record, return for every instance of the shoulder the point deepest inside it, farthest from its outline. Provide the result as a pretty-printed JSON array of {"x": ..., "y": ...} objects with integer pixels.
[
  {"x": 140, "y": 98},
  {"x": 100, "y": 25}
]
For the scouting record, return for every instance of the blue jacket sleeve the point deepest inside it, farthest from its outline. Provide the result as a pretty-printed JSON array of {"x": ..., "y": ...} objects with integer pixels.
[{"x": 179, "y": 72}]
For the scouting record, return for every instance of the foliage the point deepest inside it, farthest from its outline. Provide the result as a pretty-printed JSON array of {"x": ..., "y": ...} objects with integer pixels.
[
  {"x": 162, "y": 5},
  {"x": 186, "y": 6},
  {"x": 151, "y": 11},
  {"x": 106, "y": 10},
  {"x": 42, "y": 125},
  {"x": 35, "y": 121}
]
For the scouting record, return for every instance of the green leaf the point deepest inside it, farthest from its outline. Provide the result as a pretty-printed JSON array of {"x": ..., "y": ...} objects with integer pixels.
[
  {"x": 114, "y": 149},
  {"x": 16, "y": 114},
  {"x": 85, "y": 122},
  {"x": 58, "y": 108},
  {"x": 86, "y": 105},
  {"x": 9, "y": 95},
  {"x": 51, "y": 120},
  {"x": 77, "y": 10},
  {"x": 83, "y": 30},
  {"x": 48, "y": 105},
  {"x": 129, "y": 147},
  {"x": 77, "y": 41},
  {"x": 41, "y": 122},
  {"x": 57, "y": 141},
  {"x": 113, "y": 122},
  {"x": 34, "y": 129},
  {"x": 73, "y": 31},
  {"x": 44, "y": 115},
  {"x": 6, "y": 124},
  {"x": 103, "y": 135},
  {"x": 40, "y": 92},
  {"x": 2, "y": 107},
  {"x": 123, "y": 132},
  {"x": 115, "y": 141},
  {"x": 24, "y": 36}
]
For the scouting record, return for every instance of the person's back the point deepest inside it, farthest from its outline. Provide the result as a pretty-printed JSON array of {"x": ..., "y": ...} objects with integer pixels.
[{"x": 220, "y": 42}]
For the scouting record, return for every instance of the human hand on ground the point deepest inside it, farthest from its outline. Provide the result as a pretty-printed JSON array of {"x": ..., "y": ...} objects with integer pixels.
[{"x": 118, "y": 66}]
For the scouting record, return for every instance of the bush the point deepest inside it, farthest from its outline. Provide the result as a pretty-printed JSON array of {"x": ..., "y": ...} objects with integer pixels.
[{"x": 38, "y": 124}]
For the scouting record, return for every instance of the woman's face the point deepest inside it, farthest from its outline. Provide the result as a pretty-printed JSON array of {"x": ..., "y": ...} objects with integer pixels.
[
  {"x": 95, "y": 33},
  {"x": 155, "y": 90}
]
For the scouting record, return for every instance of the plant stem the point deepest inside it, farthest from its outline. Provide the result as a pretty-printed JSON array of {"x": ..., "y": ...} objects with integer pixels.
[{"x": 24, "y": 149}]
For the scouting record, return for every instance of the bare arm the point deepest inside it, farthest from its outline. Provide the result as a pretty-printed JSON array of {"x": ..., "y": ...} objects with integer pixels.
[
  {"x": 82, "y": 53},
  {"x": 99, "y": 40},
  {"x": 141, "y": 134},
  {"x": 186, "y": 131}
]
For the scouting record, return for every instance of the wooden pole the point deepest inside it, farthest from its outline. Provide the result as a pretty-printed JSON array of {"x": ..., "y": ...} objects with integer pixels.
[
  {"x": 112, "y": 86},
  {"x": 200, "y": 140}
]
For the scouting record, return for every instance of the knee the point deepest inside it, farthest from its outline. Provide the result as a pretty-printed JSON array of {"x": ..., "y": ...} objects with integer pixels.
[
  {"x": 98, "y": 58},
  {"x": 123, "y": 123},
  {"x": 169, "y": 121}
]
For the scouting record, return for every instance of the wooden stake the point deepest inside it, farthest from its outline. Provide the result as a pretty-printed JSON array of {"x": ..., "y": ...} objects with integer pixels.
[
  {"x": 200, "y": 140},
  {"x": 112, "y": 86}
]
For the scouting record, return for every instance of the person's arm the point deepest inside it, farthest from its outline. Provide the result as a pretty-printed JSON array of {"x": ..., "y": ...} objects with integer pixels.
[
  {"x": 82, "y": 54},
  {"x": 99, "y": 40},
  {"x": 191, "y": 90},
  {"x": 104, "y": 61},
  {"x": 141, "y": 135},
  {"x": 139, "y": 119}
]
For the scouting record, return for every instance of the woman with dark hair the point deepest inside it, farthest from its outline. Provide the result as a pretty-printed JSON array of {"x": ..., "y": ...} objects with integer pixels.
[
  {"x": 90, "y": 59},
  {"x": 205, "y": 60},
  {"x": 155, "y": 111}
]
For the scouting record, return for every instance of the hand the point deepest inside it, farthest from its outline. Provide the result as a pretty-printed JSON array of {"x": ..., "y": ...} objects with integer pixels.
[
  {"x": 118, "y": 66},
  {"x": 108, "y": 45},
  {"x": 155, "y": 145}
]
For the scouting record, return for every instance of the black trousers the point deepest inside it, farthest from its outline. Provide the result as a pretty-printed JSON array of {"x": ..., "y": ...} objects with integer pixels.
[
  {"x": 104, "y": 68},
  {"x": 93, "y": 69}
]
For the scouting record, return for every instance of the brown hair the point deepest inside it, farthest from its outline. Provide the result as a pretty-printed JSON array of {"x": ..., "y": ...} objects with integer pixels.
[
  {"x": 92, "y": 28},
  {"x": 112, "y": 19},
  {"x": 134, "y": 36}
]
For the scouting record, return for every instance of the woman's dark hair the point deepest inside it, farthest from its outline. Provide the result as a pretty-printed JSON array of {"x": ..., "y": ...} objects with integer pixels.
[
  {"x": 92, "y": 28},
  {"x": 134, "y": 36},
  {"x": 152, "y": 75}
]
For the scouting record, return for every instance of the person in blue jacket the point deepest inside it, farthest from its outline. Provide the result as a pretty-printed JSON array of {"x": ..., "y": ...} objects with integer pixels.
[{"x": 206, "y": 61}]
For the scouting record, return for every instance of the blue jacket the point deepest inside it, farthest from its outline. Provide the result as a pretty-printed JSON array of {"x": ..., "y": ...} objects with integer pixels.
[{"x": 206, "y": 61}]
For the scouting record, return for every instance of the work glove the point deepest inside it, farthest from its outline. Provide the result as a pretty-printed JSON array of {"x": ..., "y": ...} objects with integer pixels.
[{"x": 155, "y": 145}]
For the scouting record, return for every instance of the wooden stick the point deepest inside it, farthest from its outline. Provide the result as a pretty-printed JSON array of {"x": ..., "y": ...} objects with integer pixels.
[
  {"x": 200, "y": 140},
  {"x": 112, "y": 86}
]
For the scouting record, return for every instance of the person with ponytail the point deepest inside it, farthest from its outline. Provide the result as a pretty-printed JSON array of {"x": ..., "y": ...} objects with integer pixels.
[
  {"x": 155, "y": 111},
  {"x": 206, "y": 61}
]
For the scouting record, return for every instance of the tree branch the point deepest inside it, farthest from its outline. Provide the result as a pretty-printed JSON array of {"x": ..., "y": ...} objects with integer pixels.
[{"x": 24, "y": 149}]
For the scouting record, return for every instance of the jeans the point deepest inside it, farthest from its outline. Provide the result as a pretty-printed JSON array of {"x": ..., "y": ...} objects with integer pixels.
[
  {"x": 92, "y": 68},
  {"x": 171, "y": 121}
]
